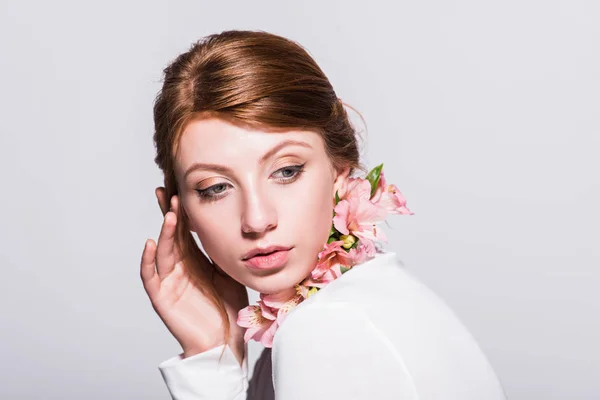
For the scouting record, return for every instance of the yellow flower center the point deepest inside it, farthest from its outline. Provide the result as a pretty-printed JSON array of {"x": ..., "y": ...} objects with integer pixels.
[
  {"x": 349, "y": 241},
  {"x": 312, "y": 291},
  {"x": 257, "y": 317}
]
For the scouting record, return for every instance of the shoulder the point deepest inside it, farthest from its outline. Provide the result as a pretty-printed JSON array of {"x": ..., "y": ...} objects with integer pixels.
[
  {"x": 380, "y": 324},
  {"x": 370, "y": 286},
  {"x": 332, "y": 344},
  {"x": 379, "y": 288},
  {"x": 346, "y": 303},
  {"x": 335, "y": 349},
  {"x": 323, "y": 318}
]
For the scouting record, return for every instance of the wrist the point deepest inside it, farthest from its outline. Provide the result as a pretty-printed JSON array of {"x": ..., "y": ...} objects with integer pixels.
[
  {"x": 192, "y": 351},
  {"x": 197, "y": 348},
  {"x": 238, "y": 351}
]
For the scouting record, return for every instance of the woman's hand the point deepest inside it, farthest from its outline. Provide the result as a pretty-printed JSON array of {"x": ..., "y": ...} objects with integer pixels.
[{"x": 176, "y": 296}]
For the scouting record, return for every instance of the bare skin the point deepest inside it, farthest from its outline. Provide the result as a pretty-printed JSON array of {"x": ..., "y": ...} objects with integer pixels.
[{"x": 176, "y": 297}]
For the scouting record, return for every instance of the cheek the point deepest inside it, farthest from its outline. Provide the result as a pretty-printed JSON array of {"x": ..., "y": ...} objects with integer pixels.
[
  {"x": 212, "y": 229},
  {"x": 311, "y": 208}
]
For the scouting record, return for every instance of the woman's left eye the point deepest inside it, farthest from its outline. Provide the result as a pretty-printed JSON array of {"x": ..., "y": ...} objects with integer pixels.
[{"x": 290, "y": 173}]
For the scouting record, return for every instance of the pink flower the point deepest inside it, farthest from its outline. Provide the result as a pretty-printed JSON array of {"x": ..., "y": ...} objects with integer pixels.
[
  {"x": 260, "y": 322},
  {"x": 390, "y": 198},
  {"x": 355, "y": 187},
  {"x": 277, "y": 300},
  {"x": 332, "y": 254},
  {"x": 282, "y": 302},
  {"x": 287, "y": 307},
  {"x": 364, "y": 251},
  {"x": 330, "y": 275},
  {"x": 302, "y": 289},
  {"x": 358, "y": 216}
]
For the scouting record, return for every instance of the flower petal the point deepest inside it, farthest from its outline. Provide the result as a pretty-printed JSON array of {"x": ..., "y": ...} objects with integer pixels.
[
  {"x": 249, "y": 317},
  {"x": 340, "y": 221},
  {"x": 332, "y": 254},
  {"x": 267, "y": 336}
]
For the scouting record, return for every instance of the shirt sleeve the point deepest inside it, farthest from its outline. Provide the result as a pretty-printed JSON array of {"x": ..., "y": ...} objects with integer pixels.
[
  {"x": 334, "y": 351},
  {"x": 203, "y": 376}
]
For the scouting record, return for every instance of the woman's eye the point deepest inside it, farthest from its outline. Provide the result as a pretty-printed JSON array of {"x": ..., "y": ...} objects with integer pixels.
[
  {"x": 218, "y": 188},
  {"x": 213, "y": 191},
  {"x": 290, "y": 173}
]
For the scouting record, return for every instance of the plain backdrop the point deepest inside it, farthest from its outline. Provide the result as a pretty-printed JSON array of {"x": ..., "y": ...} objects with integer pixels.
[{"x": 485, "y": 114}]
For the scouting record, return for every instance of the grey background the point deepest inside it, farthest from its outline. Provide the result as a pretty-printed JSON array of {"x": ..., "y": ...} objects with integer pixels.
[{"x": 484, "y": 113}]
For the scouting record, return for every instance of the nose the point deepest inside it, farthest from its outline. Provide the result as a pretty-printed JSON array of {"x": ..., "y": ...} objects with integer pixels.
[{"x": 259, "y": 214}]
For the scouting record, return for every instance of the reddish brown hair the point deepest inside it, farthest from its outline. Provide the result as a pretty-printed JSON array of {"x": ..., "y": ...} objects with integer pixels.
[{"x": 252, "y": 78}]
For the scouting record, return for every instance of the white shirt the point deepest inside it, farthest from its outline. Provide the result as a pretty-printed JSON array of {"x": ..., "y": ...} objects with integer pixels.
[{"x": 374, "y": 333}]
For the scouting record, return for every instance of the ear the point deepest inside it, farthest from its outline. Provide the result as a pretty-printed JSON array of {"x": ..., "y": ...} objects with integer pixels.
[{"x": 341, "y": 179}]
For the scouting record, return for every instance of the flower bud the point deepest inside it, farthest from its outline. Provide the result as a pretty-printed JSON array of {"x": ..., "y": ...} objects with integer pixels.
[{"x": 349, "y": 241}]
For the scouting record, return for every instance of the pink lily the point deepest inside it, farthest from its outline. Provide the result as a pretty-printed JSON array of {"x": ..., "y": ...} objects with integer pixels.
[
  {"x": 355, "y": 187},
  {"x": 390, "y": 198},
  {"x": 302, "y": 289},
  {"x": 332, "y": 254},
  {"x": 358, "y": 216},
  {"x": 283, "y": 302},
  {"x": 287, "y": 307},
  {"x": 260, "y": 322},
  {"x": 330, "y": 275},
  {"x": 364, "y": 251}
]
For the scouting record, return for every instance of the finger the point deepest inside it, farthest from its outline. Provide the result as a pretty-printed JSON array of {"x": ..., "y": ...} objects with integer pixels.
[
  {"x": 175, "y": 209},
  {"x": 175, "y": 284},
  {"x": 165, "y": 255},
  {"x": 199, "y": 255},
  {"x": 175, "y": 204},
  {"x": 150, "y": 278},
  {"x": 161, "y": 196}
]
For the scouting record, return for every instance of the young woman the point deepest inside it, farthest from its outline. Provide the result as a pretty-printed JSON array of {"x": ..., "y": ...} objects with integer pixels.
[{"x": 258, "y": 157}]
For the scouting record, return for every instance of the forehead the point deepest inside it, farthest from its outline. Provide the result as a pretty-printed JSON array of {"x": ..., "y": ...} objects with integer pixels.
[{"x": 214, "y": 140}]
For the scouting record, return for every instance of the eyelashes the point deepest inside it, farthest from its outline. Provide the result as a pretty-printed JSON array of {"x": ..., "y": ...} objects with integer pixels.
[
  {"x": 296, "y": 169},
  {"x": 215, "y": 192}
]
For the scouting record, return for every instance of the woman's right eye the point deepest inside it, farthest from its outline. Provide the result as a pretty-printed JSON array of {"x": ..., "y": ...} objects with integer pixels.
[{"x": 212, "y": 192}]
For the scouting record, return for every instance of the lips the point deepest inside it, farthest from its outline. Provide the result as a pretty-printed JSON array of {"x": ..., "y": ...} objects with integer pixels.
[
  {"x": 265, "y": 254},
  {"x": 264, "y": 251},
  {"x": 275, "y": 259}
]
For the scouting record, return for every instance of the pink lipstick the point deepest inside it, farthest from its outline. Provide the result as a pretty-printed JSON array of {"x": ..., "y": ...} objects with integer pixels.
[{"x": 272, "y": 260}]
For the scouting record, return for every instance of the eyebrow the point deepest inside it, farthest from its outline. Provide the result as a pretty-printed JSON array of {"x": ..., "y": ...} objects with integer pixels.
[{"x": 224, "y": 170}]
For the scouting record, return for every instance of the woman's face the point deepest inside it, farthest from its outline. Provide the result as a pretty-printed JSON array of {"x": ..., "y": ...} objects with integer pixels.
[{"x": 243, "y": 188}]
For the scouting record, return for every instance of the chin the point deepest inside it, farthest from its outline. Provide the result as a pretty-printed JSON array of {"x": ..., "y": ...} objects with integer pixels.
[{"x": 278, "y": 281}]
